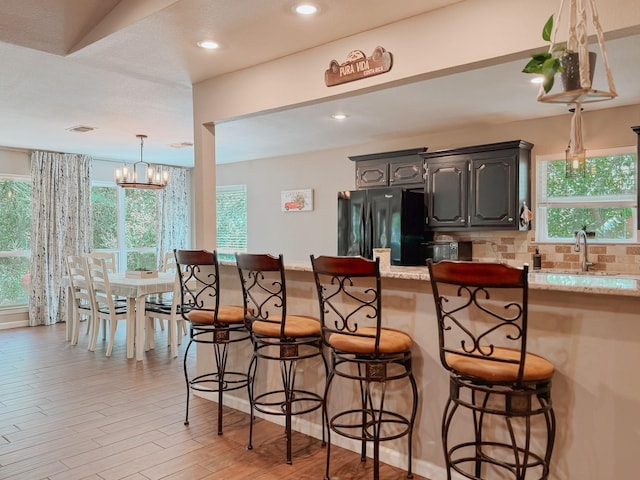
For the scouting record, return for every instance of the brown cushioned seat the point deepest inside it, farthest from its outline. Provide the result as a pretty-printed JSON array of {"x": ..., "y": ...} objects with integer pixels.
[
  {"x": 226, "y": 314},
  {"x": 297, "y": 326},
  {"x": 536, "y": 368},
  {"x": 391, "y": 341}
]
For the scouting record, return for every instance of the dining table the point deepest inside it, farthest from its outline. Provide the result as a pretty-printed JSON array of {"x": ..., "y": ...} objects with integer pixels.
[{"x": 136, "y": 290}]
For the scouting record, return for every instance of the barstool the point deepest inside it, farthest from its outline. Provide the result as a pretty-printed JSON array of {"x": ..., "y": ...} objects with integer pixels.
[
  {"x": 277, "y": 335},
  {"x": 482, "y": 325},
  {"x": 209, "y": 324},
  {"x": 363, "y": 350}
]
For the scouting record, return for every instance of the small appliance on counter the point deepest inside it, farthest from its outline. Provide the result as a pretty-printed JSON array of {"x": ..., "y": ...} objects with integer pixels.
[{"x": 447, "y": 250}]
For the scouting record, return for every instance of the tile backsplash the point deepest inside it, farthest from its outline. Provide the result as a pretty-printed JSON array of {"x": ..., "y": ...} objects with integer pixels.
[{"x": 516, "y": 248}]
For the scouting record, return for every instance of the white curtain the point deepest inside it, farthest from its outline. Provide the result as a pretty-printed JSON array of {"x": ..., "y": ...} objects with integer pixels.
[
  {"x": 174, "y": 213},
  {"x": 60, "y": 226}
]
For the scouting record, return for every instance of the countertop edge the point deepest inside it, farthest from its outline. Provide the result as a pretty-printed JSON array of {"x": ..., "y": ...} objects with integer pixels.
[{"x": 623, "y": 285}]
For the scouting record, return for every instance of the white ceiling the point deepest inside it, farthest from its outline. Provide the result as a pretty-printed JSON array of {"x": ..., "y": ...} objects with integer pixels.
[{"x": 126, "y": 67}]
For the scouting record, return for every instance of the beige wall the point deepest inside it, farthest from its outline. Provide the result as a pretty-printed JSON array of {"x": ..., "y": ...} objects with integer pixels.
[
  {"x": 298, "y": 234},
  {"x": 464, "y": 36}
]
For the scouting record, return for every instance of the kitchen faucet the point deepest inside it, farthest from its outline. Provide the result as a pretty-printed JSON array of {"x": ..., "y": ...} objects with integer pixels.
[{"x": 581, "y": 234}]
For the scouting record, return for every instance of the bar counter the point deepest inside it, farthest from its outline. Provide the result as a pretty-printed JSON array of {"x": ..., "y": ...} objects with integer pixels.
[{"x": 586, "y": 325}]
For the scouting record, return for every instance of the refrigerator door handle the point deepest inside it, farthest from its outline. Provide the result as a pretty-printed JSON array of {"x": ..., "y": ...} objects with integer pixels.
[
  {"x": 362, "y": 247},
  {"x": 368, "y": 234}
]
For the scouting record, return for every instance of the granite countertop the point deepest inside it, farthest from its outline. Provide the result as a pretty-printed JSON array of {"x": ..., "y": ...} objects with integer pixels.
[{"x": 590, "y": 282}]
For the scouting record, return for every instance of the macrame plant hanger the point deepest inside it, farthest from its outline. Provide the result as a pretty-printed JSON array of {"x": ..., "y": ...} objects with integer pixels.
[{"x": 578, "y": 42}]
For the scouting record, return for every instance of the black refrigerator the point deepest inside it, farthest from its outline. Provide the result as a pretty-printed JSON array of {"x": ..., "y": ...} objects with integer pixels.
[{"x": 382, "y": 218}]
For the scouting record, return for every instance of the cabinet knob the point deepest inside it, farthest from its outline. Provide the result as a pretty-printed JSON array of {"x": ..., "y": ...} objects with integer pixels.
[
  {"x": 511, "y": 219},
  {"x": 462, "y": 220}
]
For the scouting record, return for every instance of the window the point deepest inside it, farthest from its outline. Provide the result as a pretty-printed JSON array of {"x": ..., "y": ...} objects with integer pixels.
[
  {"x": 124, "y": 222},
  {"x": 140, "y": 228},
  {"x": 604, "y": 201},
  {"x": 231, "y": 221},
  {"x": 15, "y": 240}
]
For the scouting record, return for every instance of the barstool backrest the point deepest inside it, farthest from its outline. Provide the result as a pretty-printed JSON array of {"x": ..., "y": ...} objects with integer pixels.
[
  {"x": 263, "y": 288},
  {"x": 199, "y": 280},
  {"x": 482, "y": 312},
  {"x": 350, "y": 297}
]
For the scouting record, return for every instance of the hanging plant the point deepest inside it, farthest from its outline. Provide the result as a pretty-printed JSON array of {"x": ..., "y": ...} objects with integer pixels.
[{"x": 547, "y": 63}]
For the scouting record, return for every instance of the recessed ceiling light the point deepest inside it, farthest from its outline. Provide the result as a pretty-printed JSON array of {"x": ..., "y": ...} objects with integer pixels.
[
  {"x": 305, "y": 9},
  {"x": 536, "y": 80},
  {"x": 208, "y": 44},
  {"x": 338, "y": 116}
]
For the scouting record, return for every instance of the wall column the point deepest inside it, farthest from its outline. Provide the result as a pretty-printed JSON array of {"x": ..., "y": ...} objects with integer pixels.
[{"x": 204, "y": 187}]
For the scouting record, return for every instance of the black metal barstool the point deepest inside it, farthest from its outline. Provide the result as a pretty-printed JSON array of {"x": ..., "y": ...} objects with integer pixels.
[
  {"x": 277, "y": 336},
  {"x": 363, "y": 350},
  {"x": 482, "y": 326},
  {"x": 210, "y": 323}
]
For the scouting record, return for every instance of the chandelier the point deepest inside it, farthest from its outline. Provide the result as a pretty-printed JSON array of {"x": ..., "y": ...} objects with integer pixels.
[{"x": 141, "y": 174}]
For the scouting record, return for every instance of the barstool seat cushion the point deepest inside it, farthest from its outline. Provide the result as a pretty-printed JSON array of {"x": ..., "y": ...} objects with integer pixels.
[
  {"x": 297, "y": 326},
  {"x": 226, "y": 314},
  {"x": 536, "y": 368},
  {"x": 391, "y": 341}
]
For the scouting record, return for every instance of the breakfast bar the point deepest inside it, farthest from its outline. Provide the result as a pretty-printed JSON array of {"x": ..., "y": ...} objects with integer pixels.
[{"x": 586, "y": 325}]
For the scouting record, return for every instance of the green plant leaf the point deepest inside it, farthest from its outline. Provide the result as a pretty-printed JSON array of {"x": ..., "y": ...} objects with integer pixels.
[
  {"x": 536, "y": 62},
  {"x": 546, "y": 30},
  {"x": 549, "y": 69}
]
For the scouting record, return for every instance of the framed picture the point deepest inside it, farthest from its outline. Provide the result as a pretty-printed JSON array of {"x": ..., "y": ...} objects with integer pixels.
[{"x": 296, "y": 200}]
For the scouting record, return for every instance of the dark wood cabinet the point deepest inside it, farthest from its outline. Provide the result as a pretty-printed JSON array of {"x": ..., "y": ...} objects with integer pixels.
[
  {"x": 400, "y": 168},
  {"x": 482, "y": 187},
  {"x": 446, "y": 194}
]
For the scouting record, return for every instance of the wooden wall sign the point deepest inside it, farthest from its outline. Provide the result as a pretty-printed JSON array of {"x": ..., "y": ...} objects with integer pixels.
[{"x": 358, "y": 66}]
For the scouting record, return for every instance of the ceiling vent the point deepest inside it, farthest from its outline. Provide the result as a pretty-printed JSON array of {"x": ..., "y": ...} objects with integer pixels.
[
  {"x": 181, "y": 145},
  {"x": 81, "y": 129}
]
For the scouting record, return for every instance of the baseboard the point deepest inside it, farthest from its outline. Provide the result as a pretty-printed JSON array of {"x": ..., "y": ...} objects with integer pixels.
[{"x": 14, "y": 324}]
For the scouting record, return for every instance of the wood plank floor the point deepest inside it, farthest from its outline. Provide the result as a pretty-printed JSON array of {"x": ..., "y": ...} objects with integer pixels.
[{"x": 67, "y": 413}]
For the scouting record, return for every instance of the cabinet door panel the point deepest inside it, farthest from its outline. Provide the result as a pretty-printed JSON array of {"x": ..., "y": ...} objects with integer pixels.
[
  {"x": 446, "y": 196},
  {"x": 372, "y": 174},
  {"x": 493, "y": 184},
  {"x": 406, "y": 173}
]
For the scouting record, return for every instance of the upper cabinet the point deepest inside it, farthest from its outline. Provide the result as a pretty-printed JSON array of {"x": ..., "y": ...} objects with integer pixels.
[
  {"x": 483, "y": 187},
  {"x": 400, "y": 168}
]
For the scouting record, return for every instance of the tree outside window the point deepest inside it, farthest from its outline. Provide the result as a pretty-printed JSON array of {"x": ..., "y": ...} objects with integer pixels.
[
  {"x": 124, "y": 222},
  {"x": 603, "y": 201},
  {"x": 15, "y": 241},
  {"x": 141, "y": 229},
  {"x": 231, "y": 221}
]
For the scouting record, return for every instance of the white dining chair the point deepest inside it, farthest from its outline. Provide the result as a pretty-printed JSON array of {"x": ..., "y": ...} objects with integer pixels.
[
  {"x": 81, "y": 298},
  {"x": 109, "y": 258},
  {"x": 165, "y": 307},
  {"x": 107, "y": 308},
  {"x": 166, "y": 310}
]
